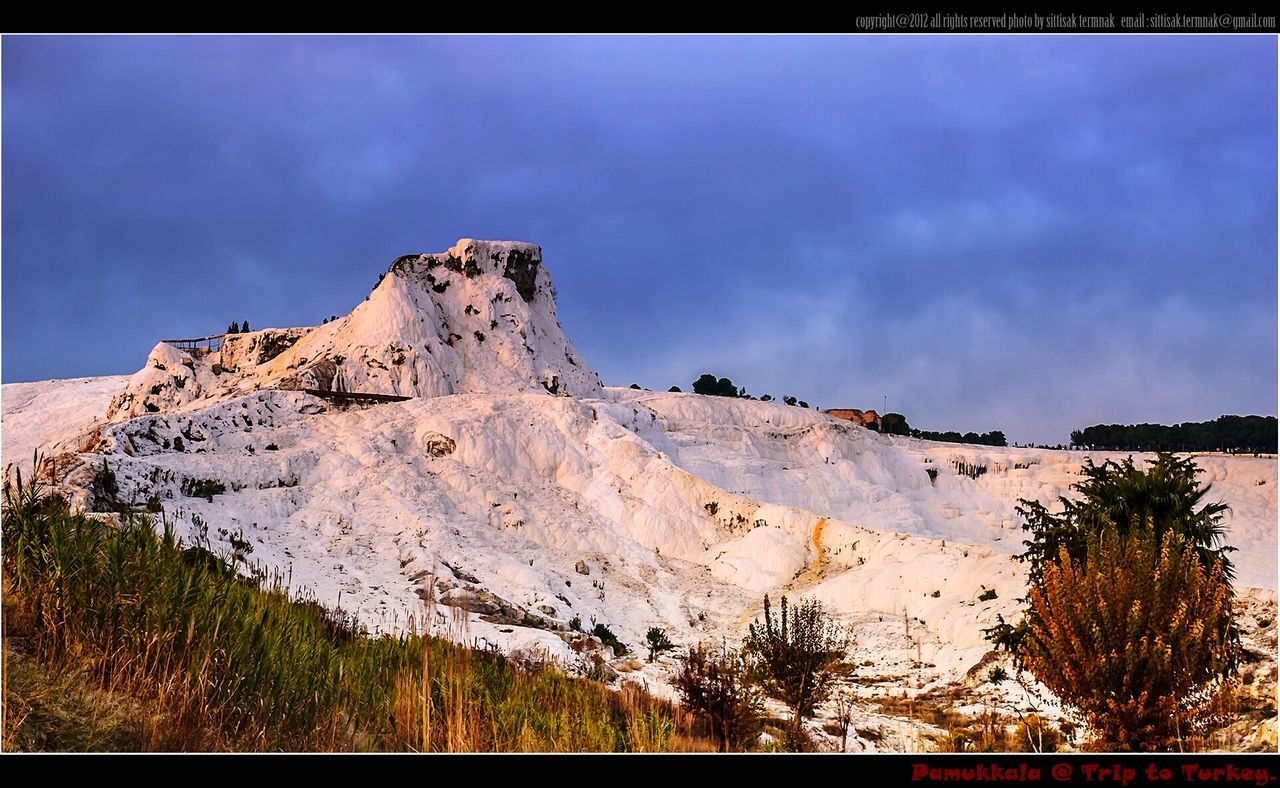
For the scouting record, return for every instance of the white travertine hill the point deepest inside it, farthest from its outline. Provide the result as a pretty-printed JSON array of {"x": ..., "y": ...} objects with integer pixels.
[
  {"x": 480, "y": 317},
  {"x": 516, "y": 511}
]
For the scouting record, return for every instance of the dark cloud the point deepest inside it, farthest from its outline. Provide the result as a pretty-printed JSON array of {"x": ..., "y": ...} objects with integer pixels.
[{"x": 1020, "y": 233}]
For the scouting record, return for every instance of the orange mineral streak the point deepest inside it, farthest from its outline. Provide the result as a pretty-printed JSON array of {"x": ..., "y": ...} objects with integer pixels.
[{"x": 817, "y": 542}]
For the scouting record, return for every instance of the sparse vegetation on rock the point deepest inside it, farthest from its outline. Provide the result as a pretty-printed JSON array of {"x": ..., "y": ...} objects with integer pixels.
[
  {"x": 794, "y": 655},
  {"x": 713, "y": 684},
  {"x": 608, "y": 638},
  {"x": 657, "y": 642}
]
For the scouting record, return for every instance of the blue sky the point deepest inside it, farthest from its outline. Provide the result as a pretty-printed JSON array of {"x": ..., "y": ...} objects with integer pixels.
[{"x": 1028, "y": 234}]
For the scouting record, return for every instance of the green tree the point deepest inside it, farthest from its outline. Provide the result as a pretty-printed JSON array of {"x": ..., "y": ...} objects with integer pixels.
[
  {"x": 894, "y": 424},
  {"x": 795, "y": 655},
  {"x": 1163, "y": 498},
  {"x": 714, "y": 685},
  {"x": 657, "y": 641},
  {"x": 717, "y": 387},
  {"x": 706, "y": 384},
  {"x": 244, "y": 328},
  {"x": 1136, "y": 635}
]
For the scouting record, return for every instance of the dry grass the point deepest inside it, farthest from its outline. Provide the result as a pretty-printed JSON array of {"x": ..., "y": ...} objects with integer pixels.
[
  {"x": 131, "y": 641},
  {"x": 44, "y": 709}
]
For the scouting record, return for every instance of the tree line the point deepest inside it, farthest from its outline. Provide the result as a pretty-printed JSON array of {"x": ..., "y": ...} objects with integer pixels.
[
  {"x": 709, "y": 385},
  {"x": 1225, "y": 433},
  {"x": 992, "y": 438},
  {"x": 890, "y": 423},
  {"x": 896, "y": 424}
]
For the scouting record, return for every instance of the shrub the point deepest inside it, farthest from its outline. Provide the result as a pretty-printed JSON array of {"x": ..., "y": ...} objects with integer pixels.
[
  {"x": 1033, "y": 734},
  {"x": 988, "y": 595},
  {"x": 844, "y": 706},
  {"x": 607, "y": 637},
  {"x": 202, "y": 488},
  {"x": 794, "y": 656},
  {"x": 965, "y": 468},
  {"x": 1137, "y": 636},
  {"x": 240, "y": 547},
  {"x": 105, "y": 486},
  {"x": 713, "y": 684},
  {"x": 657, "y": 641},
  {"x": 593, "y": 668}
]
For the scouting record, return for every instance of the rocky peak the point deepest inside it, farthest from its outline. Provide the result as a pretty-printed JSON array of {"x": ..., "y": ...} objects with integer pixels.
[
  {"x": 513, "y": 260},
  {"x": 479, "y": 317}
]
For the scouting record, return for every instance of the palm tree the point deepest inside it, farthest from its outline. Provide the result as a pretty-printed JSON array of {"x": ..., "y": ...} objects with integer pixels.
[{"x": 1162, "y": 499}]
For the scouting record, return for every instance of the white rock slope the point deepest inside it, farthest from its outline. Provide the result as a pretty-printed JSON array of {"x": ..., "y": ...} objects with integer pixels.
[{"x": 520, "y": 511}]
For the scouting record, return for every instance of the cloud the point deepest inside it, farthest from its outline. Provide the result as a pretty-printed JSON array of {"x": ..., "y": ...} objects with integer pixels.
[{"x": 1021, "y": 233}]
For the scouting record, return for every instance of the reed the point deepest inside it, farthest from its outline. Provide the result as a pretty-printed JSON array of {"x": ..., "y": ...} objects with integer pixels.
[{"x": 228, "y": 663}]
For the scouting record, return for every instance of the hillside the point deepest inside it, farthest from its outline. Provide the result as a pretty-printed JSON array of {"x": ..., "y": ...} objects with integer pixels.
[{"x": 512, "y": 486}]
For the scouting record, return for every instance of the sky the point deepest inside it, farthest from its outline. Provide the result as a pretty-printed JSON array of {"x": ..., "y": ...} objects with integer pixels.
[{"x": 1032, "y": 234}]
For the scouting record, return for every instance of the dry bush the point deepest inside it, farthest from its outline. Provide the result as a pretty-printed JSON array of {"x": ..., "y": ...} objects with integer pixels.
[{"x": 1138, "y": 637}]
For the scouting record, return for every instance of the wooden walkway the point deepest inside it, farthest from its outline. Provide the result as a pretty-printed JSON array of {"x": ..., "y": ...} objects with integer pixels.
[
  {"x": 355, "y": 396},
  {"x": 210, "y": 343}
]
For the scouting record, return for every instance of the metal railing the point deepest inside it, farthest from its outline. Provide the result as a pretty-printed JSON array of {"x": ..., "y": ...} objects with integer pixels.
[{"x": 209, "y": 343}]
